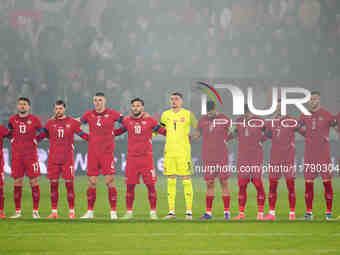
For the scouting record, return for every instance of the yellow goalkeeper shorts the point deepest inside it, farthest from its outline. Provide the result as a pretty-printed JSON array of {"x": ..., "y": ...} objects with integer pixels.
[{"x": 181, "y": 166}]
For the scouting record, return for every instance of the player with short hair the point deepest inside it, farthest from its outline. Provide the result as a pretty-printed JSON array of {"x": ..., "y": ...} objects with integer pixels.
[
  {"x": 214, "y": 129},
  {"x": 177, "y": 152},
  {"x": 60, "y": 131},
  {"x": 140, "y": 156},
  {"x": 24, "y": 128},
  {"x": 4, "y": 132},
  {"x": 250, "y": 134},
  {"x": 281, "y": 130},
  {"x": 101, "y": 146},
  {"x": 317, "y": 158}
]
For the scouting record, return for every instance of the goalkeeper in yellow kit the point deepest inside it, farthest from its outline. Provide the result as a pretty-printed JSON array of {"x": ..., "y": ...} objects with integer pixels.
[{"x": 177, "y": 152}]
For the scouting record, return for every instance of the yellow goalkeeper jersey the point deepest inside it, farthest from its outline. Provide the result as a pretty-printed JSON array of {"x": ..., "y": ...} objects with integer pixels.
[{"x": 178, "y": 126}]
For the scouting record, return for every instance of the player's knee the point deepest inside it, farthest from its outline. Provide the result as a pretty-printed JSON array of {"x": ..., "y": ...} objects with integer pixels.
[
  {"x": 34, "y": 182},
  {"x": 109, "y": 181},
  {"x": 18, "y": 182},
  {"x": 92, "y": 182}
]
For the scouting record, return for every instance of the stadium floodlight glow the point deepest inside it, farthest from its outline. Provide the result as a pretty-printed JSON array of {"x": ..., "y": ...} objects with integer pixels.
[{"x": 239, "y": 100}]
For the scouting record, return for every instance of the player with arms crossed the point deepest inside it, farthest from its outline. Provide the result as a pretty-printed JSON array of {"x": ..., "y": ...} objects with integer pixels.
[
  {"x": 214, "y": 129},
  {"x": 177, "y": 152},
  {"x": 101, "y": 152},
  {"x": 140, "y": 128},
  {"x": 249, "y": 131},
  {"x": 24, "y": 128},
  {"x": 4, "y": 132},
  {"x": 60, "y": 131},
  {"x": 317, "y": 158},
  {"x": 282, "y": 159}
]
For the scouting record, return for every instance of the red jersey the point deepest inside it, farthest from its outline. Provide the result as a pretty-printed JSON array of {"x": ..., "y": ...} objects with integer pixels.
[
  {"x": 316, "y": 131},
  {"x": 282, "y": 133},
  {"x": 24, "y": 134},
  {"x": 214, "y": 132},
  {"x": 140, "y": 135},
  {"x": 250, "y": 138},
  {"x": 101, "y": 126},
  {"x": 61, "y": 135},
  {"x": 3, "y": 133}
]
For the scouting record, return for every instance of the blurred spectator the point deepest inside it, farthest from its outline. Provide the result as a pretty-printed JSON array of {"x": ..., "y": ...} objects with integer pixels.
[{"x": 78, "y": 98}]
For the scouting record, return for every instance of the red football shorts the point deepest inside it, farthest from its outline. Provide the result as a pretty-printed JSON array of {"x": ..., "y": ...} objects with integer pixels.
[
  {"x": 100, "y": 164},
  {"x": 25, "y": 166},
  {"x": 66, "y": 170},
  {"x": 140, "y": 166}
]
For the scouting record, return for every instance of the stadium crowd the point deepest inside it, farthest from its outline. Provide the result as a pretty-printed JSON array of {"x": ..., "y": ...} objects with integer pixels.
[{"x": 66, "y": 49}]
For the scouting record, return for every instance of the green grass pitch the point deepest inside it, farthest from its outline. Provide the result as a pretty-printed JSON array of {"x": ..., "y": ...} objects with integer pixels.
[{"x": 143, "y": 236}]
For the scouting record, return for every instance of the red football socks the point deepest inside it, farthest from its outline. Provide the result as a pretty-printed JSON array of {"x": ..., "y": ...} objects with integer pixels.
[
  {"x": 209, "y": 202},
  {"x": 17, "y": 197},
  {"x": 112, "y": 195},
  {"x": 130, "y": 196},
  {"x": 36, "y": 196},
  {"x": 152, "y": 195},
  {"x": 70, "y": 194},
  {"x": 291, "y": 194},
  {"x": 54, "y": 187},
  {"x": 242, "y": 197},
  {"x": 309, "y": 196},
  {"x": 2, "y": 198},
  {"x": 226, "y": 203},
  {"x": 272, "y": 197},
  {"x": 261, "y": 195},
  {"x": 328, "y": 195},
  {"x": 91, "y": 198}
]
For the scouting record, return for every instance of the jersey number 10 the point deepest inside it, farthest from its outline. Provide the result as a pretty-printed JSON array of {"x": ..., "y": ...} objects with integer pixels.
[{"x": 138, "y": 129}]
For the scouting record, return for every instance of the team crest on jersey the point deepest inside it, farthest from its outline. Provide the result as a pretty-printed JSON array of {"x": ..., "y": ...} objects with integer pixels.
[
  {"x": 68, "y": 125},
  {"x": 143, "y": 122},
  {"x": 106, "y": 115},
  {"x": 320, "y": 118},
  {"x": 29, "y": 122},
  {"x": 182, "y": 119}
]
